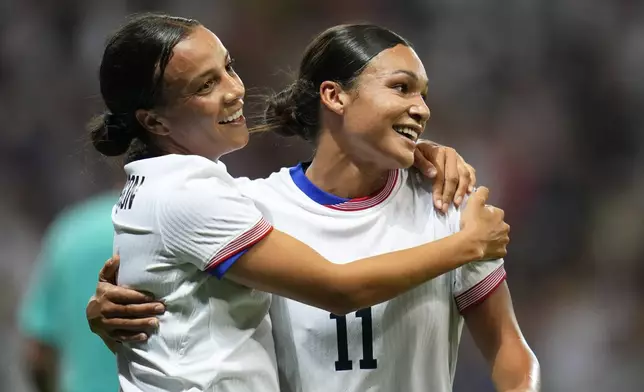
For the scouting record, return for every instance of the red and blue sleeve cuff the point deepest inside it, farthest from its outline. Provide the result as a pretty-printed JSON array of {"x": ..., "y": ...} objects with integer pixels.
[{"x": 229, "y": 254}]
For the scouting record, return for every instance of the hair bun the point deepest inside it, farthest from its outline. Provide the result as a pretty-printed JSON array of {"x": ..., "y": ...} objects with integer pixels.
[
  {"x": 293, "y": 111},
  {"x": 111, "y": 134},
  {"x": 281, "y": 112}
]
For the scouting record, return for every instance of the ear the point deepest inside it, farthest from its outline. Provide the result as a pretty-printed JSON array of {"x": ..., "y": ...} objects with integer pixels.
[
  {"x": 333, "y": 96},
  {"x": 151, "y": 122}
]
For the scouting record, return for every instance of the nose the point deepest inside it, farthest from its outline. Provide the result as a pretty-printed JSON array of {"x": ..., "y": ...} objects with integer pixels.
[
  {"x": 420, "y": 112},
  {"x": 234, "y": 89}
]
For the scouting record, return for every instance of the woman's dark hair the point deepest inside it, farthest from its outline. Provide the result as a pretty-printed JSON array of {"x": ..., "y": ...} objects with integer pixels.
[
  {"x": 338, "y": 54},
  {"x": 131, "y": 78}
]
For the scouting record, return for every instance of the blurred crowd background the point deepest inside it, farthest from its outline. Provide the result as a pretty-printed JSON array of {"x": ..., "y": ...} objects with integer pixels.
[{"x": 544, "y": 98}]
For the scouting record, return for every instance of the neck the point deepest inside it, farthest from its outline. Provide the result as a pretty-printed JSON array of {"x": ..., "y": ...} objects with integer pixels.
[{"x": 335, "y": 172}]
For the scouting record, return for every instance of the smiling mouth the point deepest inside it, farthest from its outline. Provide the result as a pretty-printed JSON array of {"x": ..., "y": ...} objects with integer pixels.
[
  {"x": 233, "y": 117},
  {"x": 407, "y": 132}
]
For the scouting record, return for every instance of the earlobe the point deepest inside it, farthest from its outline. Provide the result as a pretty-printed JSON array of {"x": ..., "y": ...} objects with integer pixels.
[{"x": 333, "y": 96}]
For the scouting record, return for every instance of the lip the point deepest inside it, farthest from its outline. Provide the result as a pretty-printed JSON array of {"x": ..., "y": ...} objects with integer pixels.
[
  {"x": 230, "y": 113},
  {"x": 239, "y": 121},
  {"x": 411, "y": 143},
  {"x": 414, "y": 127}
]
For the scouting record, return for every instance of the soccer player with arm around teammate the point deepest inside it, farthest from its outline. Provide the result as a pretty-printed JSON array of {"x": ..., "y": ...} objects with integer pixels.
[
  {"x": 390, "y": 82},
  {"x": 175, "y": 106}
]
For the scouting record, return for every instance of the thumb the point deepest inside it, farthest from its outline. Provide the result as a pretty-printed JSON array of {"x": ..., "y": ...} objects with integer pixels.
[
  {"x": 109, "y": 271},
  {"x": 422, "y": 162},
  {"x": 480, "y": 196}
]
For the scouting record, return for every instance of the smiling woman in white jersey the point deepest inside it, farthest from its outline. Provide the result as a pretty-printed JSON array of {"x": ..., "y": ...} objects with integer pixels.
[
  {"x": 355, "y": 112},
  {"x": 174, "y": 104}
]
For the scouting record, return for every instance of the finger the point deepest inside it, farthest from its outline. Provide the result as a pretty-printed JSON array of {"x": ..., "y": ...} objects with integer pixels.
[
  {"x": 481, "y": 195},
  {"x": 463, "y": 184},
  {"x": 123, "y": 295},
  {"x": 472, "y": 171},
  {"x": 144, "y": 310},
  {"x": 110, "y": 270},
  {"x": 423, "y": 154},
  {"x": 451, "y": 178},
  {"x": 133, "y": 325},
  {"x": 126, "y": 336},
  {"x": 439, "y": 179}
]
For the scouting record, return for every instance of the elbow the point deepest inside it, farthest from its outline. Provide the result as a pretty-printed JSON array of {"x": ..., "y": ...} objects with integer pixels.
[
  {"x": 346, "y": 291},
  {"x": 338, "y": 304},
  {"x": 344, "y": 298}
]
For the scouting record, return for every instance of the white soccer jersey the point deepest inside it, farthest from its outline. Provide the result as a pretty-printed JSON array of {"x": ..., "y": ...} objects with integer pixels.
[
  {"x": 179, "y": 220},
  {"x": 407, "y": 344}
]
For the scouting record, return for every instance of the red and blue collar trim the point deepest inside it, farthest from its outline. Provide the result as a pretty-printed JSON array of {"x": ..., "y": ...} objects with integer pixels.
[{"x": 340, "y": 203}]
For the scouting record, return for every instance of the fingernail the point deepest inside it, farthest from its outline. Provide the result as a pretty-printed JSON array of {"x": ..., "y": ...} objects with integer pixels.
[
  {"x": 431, "y": 172},
  {"x": 439, "y": 204},
  {"x": 459, "y": 200},
  {"x": 154, "y": 323},
  {"x": 141, "y": 336},
  {"x": 159, "y": 308},
  {"x": 470, "y": 188}
]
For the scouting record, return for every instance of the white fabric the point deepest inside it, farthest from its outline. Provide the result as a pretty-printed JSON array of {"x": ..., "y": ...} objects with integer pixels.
[
  {"x": 407, "y": 344},
  {"x": 178, "y": 217}
]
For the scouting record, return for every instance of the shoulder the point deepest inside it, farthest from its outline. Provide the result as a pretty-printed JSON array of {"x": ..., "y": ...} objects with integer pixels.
[
  {"x": 271, "y": 189},
  {"x": 83, "y": 216},
  {"x": 202, "y": 197}
]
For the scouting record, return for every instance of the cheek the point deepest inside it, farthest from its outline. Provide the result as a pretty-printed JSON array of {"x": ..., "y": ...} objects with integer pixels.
[{"x": 372, "y": 119}]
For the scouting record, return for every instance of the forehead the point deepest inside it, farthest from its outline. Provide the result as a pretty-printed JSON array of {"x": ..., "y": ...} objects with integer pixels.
[
  {"x": 400, "y": 57},
  {"x": 198, "y": 52}
]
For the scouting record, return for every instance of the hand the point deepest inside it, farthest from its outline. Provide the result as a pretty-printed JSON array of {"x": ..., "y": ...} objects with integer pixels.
[
  {"x": 453, "y": 177},
  {"x": 120, "y": 314},
  {"x": 486, "y": 225}
]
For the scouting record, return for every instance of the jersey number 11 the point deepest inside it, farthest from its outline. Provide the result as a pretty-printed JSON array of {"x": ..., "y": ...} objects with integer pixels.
[{"x": 367, "y": 361}]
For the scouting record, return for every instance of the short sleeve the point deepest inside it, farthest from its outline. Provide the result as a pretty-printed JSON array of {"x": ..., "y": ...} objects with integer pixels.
[
  {"x": 39, "y": 312},
  {"x": 209, "y": 223},
  {"x": 475, "y": 281}
]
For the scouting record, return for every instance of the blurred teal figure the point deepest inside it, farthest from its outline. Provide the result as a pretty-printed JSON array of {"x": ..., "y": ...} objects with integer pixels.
[{"x": 61, "y": 353}]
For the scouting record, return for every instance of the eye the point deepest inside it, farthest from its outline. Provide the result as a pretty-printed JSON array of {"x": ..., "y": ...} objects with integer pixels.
[
  {"x": 207, "y": 86},
  {"x": 402, "y": 87},
  {"x": 229, "y": 65}
]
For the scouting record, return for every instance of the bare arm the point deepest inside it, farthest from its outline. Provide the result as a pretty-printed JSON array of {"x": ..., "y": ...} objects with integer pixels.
[
  {"x": 282, "y": 265},
  {"x": 42, "y": 365},
  {"x": 496, "y": 332},
  {"x": 285, "y": 266}
]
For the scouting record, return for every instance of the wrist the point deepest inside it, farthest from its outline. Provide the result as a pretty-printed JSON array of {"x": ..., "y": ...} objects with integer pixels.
[{"x": 471, "y": 245}]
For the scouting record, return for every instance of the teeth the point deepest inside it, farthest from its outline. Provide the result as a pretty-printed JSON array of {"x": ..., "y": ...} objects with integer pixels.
[
  {"x": 233, "y": 117},
  {"x": 407, "y": 131}
]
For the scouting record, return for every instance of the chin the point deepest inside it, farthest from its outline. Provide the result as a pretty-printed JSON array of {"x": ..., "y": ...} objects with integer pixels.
[
  {"x": 239, "y": 143},
  {"x": 406, "y": 160},
  {"x": 400, "y": 160}
]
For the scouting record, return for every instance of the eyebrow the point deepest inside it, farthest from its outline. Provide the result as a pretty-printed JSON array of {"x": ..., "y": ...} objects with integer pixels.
[{"x": 411, "y": 74}]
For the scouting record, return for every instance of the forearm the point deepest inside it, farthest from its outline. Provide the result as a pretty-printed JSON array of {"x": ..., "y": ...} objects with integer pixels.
[
  {"x": 284, "y": 266},
  {"x": 377, "y": 279},
  {"x": 515, "y": 368}
]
